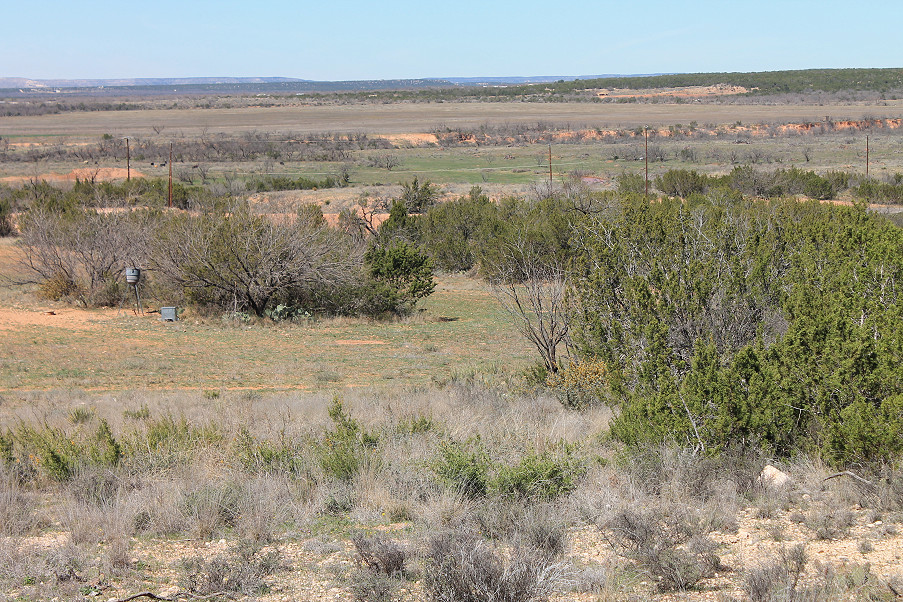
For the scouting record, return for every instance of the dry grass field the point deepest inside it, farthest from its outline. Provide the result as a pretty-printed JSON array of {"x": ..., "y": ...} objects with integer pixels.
[
  {"x": 735, "y": 135},
  {"x": 417, "y": 118},
  {"x": 224, "y": 457}
]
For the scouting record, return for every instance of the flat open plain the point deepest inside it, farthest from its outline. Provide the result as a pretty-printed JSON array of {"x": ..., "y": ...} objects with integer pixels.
[{"x": 421, "y": 117}]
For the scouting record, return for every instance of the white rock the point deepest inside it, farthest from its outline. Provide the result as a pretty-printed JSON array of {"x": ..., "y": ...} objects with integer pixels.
[{"x": 774, "y": 478}]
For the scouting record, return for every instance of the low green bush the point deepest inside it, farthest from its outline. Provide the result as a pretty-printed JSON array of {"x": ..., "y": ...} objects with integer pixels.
[
  {"x": 346, "y": 448},
  {"x": 285, "y": 183},
  {"x": 50, "y": 452},
  {"x": 468, "y": 469},
  {"x": 256, "y": 455},
  {"x": 539, "y": 475},
  {"x": 464, "y": 468}
]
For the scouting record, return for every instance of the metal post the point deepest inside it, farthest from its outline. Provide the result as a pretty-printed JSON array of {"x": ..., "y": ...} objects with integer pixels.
[
  {"x": 138, "y": 301},
  {"x": 128, "y": 162},
  {"x": 866, "y": 156}
]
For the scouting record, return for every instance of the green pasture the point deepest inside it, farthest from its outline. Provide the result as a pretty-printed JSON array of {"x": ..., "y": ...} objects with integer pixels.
[{"x": 459, "y": 331}]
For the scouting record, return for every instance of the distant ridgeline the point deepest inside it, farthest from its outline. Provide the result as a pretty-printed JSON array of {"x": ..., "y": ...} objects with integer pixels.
[
  {"x": 500, "y": 88},
  {"x": 16, "y": 87}
]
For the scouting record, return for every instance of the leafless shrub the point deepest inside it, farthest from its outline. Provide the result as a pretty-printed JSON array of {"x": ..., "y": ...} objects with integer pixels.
[
  {"x": 214, "y": 506},
  {"x": 704, "y": 549},
  {"x": 656, "y": 153},
  {"x": 266, "y": 505},
  {"x": 185, "y": 175},
  {"x": 158, "y": 507},
  {"x": 611, "y": 580},
  {"x": 83, "y": 255},
  {"x": 461, "y": 567},
  {"x": 777, "y": 579},
  {"x": 681, "y": 474},
  {"x": 629, "y": 152},
  {"x": 532, "y": 288},
  {"x": 242, "y": 261},
  {"x": 655, "y": 539},
  {"x": 243, "y": 571},
  {"x": 775, "y": 531},
  {"x": 45, "y": 572},
  {"x": 544, "y": 529},
  {"x": 95, "y": 486},
  {"x": 380, "y": 554},
  {"x": 444, "y": 509},
  {"x": 688, "y": 154},
  {"x": 373, "y": 586},
  {"x": 829, "y": 521},
  {"x": 84, "y": 522},
  {"x": 117, "y": 552},
  {"x": 18, "y": 510},
  {"x": 387, "y": 161},
  {"x": 889, "y": 490},
  {"x": 766, "y": 507}
]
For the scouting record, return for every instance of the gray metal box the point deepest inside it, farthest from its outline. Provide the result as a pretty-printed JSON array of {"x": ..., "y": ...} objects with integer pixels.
[{"x": 169, "y": 314}]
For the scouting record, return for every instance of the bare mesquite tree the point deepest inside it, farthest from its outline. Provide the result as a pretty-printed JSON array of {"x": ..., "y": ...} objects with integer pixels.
[
  {"x": 387, "y": 161},
  {"x": 83, "y": 254},
  {"x": 533, "y": 289},
  {"x": 244, "y": 261},
  {"x": 362, "y": 220}
]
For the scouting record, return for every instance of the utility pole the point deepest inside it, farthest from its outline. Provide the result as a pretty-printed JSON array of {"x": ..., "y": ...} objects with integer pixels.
[
  {"x": 866, "y": 156},
  {"x": 646, "y": 178},
  {"x": 169, "y": 204},
  {"x": 550, "y": 167}
]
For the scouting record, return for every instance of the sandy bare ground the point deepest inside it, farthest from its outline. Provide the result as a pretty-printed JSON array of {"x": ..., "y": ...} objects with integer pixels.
[
  {"x": 102, "y": 174},
  {"x": 679, "y": 92},
  {"x": 15, "y": 318}
]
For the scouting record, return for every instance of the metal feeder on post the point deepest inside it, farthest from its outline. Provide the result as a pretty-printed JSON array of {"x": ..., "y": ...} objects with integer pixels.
[{"x": 133, "y": 277}]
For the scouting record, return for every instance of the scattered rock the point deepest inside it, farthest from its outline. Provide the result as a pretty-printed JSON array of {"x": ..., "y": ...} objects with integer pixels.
[{"x": 773, "y": 478}]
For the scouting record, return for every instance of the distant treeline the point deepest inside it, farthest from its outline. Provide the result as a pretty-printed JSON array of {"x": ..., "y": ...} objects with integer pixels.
[
  {"x": 768, "y": 83},
  {"x": 20, "y": 109},
  {"x": 758, "y": 83},
  {"x": 684, "y": 183}
]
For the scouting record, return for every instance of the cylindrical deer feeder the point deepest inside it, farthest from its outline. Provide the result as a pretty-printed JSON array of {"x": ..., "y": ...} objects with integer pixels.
[{"x": 133, "y": 277}]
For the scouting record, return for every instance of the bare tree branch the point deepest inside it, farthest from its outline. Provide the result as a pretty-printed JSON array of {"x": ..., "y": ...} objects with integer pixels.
[{"x": 533, "y": 289}]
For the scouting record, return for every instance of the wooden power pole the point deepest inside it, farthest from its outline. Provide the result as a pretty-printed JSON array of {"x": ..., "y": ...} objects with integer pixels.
[
  {"x": 646, "y": 153},
  {"x": 169, "y": 203},
  {"x": 550, "y": 167}
]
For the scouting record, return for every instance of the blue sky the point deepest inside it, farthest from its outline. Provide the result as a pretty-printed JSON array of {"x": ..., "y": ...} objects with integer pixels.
[{"x": 351, "y": 39}]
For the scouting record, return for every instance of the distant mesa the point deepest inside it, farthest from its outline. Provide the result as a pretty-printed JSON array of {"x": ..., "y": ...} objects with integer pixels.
[
  {"x": 30, "y": 86},
  {"x": 36, "y": 84}
]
